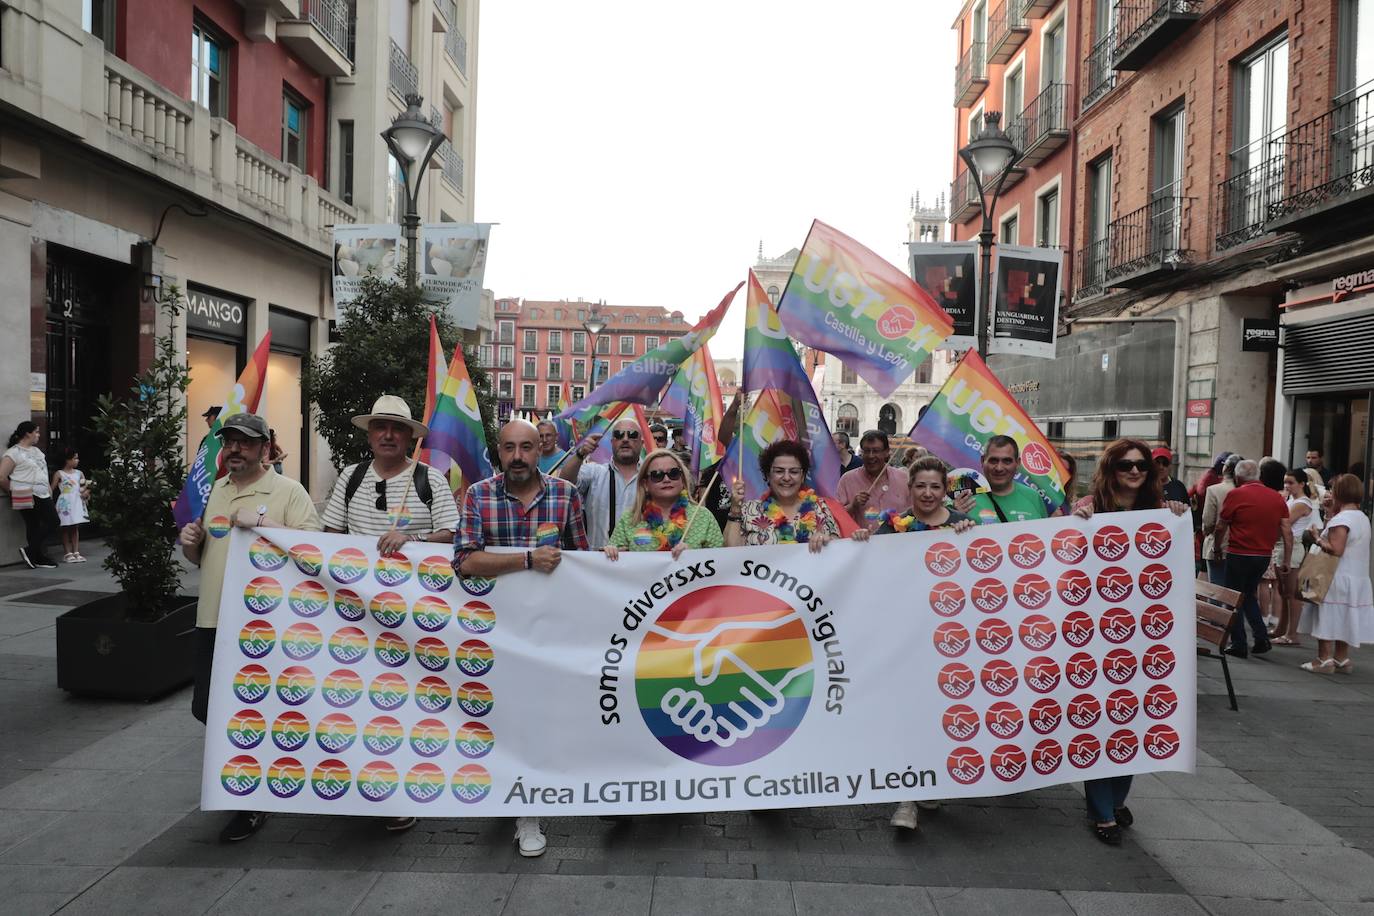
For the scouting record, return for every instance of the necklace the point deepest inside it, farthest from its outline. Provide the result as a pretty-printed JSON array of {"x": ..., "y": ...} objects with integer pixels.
[
  {"x": 799, "y": 529},
  {"x": 659, "y": 532}
]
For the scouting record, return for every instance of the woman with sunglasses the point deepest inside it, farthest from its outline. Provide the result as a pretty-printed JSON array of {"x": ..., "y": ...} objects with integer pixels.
[
  {"x": 1125, "y": 479},
  {"x": 663, "y": 516},
  {"x": 790, "y": 511}
]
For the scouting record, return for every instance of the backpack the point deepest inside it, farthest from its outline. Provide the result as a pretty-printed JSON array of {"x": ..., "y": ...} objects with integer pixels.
[{"x": 421, "y": 482}]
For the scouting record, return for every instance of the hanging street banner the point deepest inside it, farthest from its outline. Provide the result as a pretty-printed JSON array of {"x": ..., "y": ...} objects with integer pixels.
[
  {"x": 948, "y": 271},
  {"x": 359, "y": 250},
  {"x": 916, "y": 666},
  {"x": 452, "y": 262},
  {"x": 849, "y": 301},
  {"x": 1025, "y": 300}
]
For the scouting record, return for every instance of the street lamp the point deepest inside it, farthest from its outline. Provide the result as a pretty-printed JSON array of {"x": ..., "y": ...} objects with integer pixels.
[
  {"x": 594, "y": 325},
  {"x": 412, "y": 139},
  {"x": 989, "y": 157}
]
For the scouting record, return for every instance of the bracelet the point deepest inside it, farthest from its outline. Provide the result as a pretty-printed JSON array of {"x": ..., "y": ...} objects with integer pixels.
[
  {"x": 734, "y": 518},
  {"x": 529, "y": 559}
]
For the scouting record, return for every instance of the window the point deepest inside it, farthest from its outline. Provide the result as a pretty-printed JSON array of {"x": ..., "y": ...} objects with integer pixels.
[
  {"x": 1047, "y": 218},
  {"x": 555, "y": 338},
  {"x": 295, "y": 116},
  {"x": 531, "y": 341},
  {"x": 650, "y": 343},
  {"x": 1013, "y": 95},
  {"x": 557, "y": 314},
  {"x": 527, "y": 396},
  {"x": 98, "y": 18},
  {"x": 603, "y": 370},
  {"x": 923, "y": 369},
  {"x": 345, "y": 183},
  {"x": 625, "y": 364},
  {"x": 530, "y": 367},
  {"x": 847, "y": 375},
  {"x": 398, "y": 24},
  {"x": 603, "y": 346},
  {"x": 1052, "y": 54},
  {"x": 627, "y": 345},
  {"x": 507, "y": 357},
  {"x": 579, "y": 373},
  {"x": 552, "y": 392},
  {"x": 774, "y": 293},
  {"x": 1099, "y": 218},
  {"x": 1011, "y": 230},
  {"x": 1256, "y": 160},
  {"x": 505, "y": 331},
  {"x": 1356, "y": 18},
  {"x": 847, "y": 421},
  {"x": 503, "y": 386},
  {"x": 578, "y": 393},
  {"x": 209, "y": 70},
  {"x": 555, "y": 367},
  {"x": 579, "y": 342},
  {"x": 484, "y": 356},
  {"x": 1166, "y": 204},
  {"x": 975, "y": 123}
]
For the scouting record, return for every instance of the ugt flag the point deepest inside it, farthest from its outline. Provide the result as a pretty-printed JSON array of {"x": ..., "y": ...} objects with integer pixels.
[
  {"x": 456, "y": 426},
  {"x": 434, "y": 385},
  {"x": 694, "y": 395},
  {"x": 205, "y": 468},
  {"x": 845, "y": 299},
  {"x": 642, "y": 381},
  {"x": 972, "y": 407}
]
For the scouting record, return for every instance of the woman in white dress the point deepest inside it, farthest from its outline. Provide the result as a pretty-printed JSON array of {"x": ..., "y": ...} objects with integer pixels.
[
  {"x": 1302, "y": 514},
  {"x": 1345, "y": 617}
]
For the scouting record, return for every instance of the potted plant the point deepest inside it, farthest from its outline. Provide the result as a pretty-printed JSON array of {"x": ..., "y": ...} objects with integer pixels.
[{"x": 137, "y": 644}]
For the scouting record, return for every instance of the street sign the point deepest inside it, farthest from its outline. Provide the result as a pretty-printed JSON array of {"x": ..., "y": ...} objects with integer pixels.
[
  {"x": 1202, "y": 407},
  {"x": 1259, "y": 335}
]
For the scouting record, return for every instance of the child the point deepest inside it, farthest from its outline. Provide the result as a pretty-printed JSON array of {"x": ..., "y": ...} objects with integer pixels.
[{"x": 72, "y": 490}]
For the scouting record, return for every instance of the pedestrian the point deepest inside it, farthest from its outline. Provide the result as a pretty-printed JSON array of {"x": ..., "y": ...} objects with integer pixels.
[
  {"x": 210, "y": 416},
  {"x": 519, "y": 507},
  {"x": 1123, "y": 481},
  {"x": 72, "y": 490},
  {"x": 247, "y": 497},
  {"x": 1302, "y": 516},
  {"x": 1345, "y": 617},
  {"x": 24, "y": 476},
  {"x": 607, "y": 490},
  {"x": 663, "y": 516},
  {"x": 275, "y": 453},
  {"x": 1173, "y": 488},
  {"x": 1007, "y": 500},
  {"x": 660, "y": 434},
  {"x": 1315, "y": 462},
  {"x": 1214, "y": 544},
  {"x": 1070, "y": 482},
  {"x": 1210, "y": 477},
  {"x": 716, "y": 499},
  {"x": 876, "y": 487},
  {"x": 1270, "y": 595},
  {"x": 1252, "y": 517},
  {"x": 848, "y": 460},
  {"x": 790, "y": 512},
  {"x": 549, "y": 452}
]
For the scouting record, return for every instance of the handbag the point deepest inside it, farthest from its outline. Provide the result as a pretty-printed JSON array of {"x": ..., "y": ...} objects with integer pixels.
[
  {"x": 1315, "y": 575},
  {"x": 21, "y": 496}
]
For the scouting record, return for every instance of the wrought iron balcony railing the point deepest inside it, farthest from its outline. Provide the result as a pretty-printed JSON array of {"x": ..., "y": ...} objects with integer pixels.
[
  {"x": 1146, "y": 27},
  {"x": 1243, "y": 199},
  {"x": 970, "y": 75},
  {"x": 1007, "y": 30},
  {"x": 1098, "y": 70},
  {"x": 1326, "y": 160},
  {"x": 403, "y": 78},
  {"x": 332, "y": 19},
  {"x": 963, "y": 198},
  {"x": 1043, "y": 125}
]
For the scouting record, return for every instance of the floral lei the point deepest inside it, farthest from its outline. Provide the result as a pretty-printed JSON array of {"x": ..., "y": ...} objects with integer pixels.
[
  {"x": 900, "y": 521},
  {"x": 800, "y": 529},
  {"x": 664, "y": 533}
]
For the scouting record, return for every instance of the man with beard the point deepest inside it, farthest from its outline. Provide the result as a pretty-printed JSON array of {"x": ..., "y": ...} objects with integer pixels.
[
  {"x": 1007, "y": 501},
  {"x": 607, "y": 490},
  {"x": 523, "y": 508}
]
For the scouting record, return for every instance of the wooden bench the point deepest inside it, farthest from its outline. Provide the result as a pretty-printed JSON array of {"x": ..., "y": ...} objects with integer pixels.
[{"x": 1216, "y": 612}]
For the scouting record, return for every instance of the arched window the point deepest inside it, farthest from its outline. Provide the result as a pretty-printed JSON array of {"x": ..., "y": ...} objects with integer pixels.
[
  {"x": 773, "y": 294},
  {"x": 847, "y": 420},
  {"x": 889, "y": 417}
]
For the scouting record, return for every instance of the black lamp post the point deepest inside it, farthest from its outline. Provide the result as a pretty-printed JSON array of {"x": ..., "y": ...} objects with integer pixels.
[
  {"x": 594, "y": 325},
  {"x": 989, "y": 157},
  {"x": 413, "y": 140}
]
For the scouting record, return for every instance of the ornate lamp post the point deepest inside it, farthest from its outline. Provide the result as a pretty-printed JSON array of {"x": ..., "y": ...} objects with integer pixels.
[
  {"x": 413, "y": 140},
  {"x": 989, "y": 157},
  {"x": 594, "y": 325}
]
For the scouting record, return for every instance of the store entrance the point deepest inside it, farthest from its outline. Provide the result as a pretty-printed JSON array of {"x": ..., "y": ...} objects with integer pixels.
[
  {"x": 78, "y": 293},
  {"x": 1337, "y": 425}
]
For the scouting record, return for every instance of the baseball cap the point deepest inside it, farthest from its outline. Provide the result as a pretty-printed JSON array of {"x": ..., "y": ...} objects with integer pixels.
[
  {"x": 250, "y": 424},
  {"x": 1161, "y": 452},
  {"x": 211, "y": 411}
]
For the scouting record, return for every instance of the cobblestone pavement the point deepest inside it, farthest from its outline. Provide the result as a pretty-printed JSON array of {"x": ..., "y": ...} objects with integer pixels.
[{"x": 98, "y": 813}]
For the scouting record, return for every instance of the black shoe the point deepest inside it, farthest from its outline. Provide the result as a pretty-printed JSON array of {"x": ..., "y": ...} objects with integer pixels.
[
  {"x": 1124, "y": 817},
  {"x": 1237, "y": 651},
  {"x": 24, "y": 555},
  {"x": 1110, "y": 834},
  {"x": 1261, "y": 647},
  {"x": 399, "y": 824},
  {"x": 242, "y": 825},
  {"x": 44, "y": 563}
]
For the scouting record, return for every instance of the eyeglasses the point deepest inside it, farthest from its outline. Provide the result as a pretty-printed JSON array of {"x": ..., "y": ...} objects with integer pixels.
[
  {"x": 787, "y": 472},
  {"x": 1163, "y": 462},
  {"x": 237, "y": 443},
  {"x": 381, "y": 495},
  {"x": 660, "y": 439},
  {"x": 1125, "y": 466},
  {"x": 625, "y": 434},
  {"x": 657, "y": 476}
]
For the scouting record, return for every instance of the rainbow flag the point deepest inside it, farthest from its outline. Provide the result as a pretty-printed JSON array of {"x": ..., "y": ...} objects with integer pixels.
[
  {"x": 972, "y": 407},
  {"x": 245, "y": 397},
  {"x": 694, "y": 395},
  {"x": 603, "y": 454},
  {"x": 845, "y": 299},
  {"x": 455, "y": 428},
  {"x": 434, "y": 385},
  {"x": 567, "y": 429}
]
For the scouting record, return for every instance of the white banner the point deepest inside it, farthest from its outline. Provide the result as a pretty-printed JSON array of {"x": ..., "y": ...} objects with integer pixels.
[
  {"x": 359, "y": 250},
  {"x": 1025, "y": 300},
  {"x": 453, "y": 259},
  {"x": 923, "y": 665}
]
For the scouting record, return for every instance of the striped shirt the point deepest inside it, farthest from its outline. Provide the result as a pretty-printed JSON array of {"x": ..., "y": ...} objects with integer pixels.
[
  {"x": 361, "y": 515},
  {"x": 494, "y": 518}
]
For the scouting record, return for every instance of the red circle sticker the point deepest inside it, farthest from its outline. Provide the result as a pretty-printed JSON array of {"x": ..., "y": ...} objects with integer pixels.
[
  {"x": 1114, "y": 584},
  {"x": 1152, "y": 540},
  {"x": 1156, "y": 580},
  {"x": 942, "y": 558},
  {"x": 1160, "y": 701},
  {"x": 989, "y": 595},
  {"x": 1047, "y": 756},
  {"x": 1037, "y": 632},
  {"x": 1084, "y": 751},
  {"x": 1074, "y": 587},
  {"x": 897, "y": 322},
  {"x": 1045, "y": 715},
  {"x": 1036, "y": 459},
  {"x": 1119, "y": 666},
  {"x": 1031, "y": 591},
  {"x": 1111, "y": 542},
  {"x": 998, "y": 677},
  {"x": 994, "y": 636},
  {"x": 984, "y": 554},
  {"x": 1161, "y": 741},
  {"x": 1004, "y": 719},
  {"x": 1084, "y": 710},
  {"x": 1007, "y": 762},
  {"x": 1042, "y": 674},
  {"x": 1077, "y": 628},
  {"x": 1069, "y": 546},
  {"x": 1081, "y": 669},
  {"x": 965, "y": 765},
  {"x": 951, "y": 640},
  {"x": 946, "y": 599},
  {"x": 1117, "y": 625},
  {"x": 1157, "y": 621},
  {"x": 1026, "y": 550},
  {"x": 1122, "y": 745},
  {"x": 956, "y": 680},
  {"x": 1158, "y": 662},
  {"x": 960, "y": 722},
  {"x": 1122, "y": 705}
]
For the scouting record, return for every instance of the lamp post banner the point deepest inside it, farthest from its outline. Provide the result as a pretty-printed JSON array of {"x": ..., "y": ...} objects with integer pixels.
[
  {"x": 360, "y": 250},
  {"x": 949, "y": 272},
  {"x": 1025, "y": 300},
  {"x": 924, "y": 665},
  {"x": 454, "y": 260}
]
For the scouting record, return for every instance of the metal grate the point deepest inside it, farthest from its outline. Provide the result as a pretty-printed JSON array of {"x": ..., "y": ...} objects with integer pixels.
[{"x": 1331, "y": 356}]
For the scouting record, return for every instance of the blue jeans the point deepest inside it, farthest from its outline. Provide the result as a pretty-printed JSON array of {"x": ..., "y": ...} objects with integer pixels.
[
  {"x": 1105, "y": 796},
  {"x": 1244, "y": 574},
  {"x": 1216, "y": 571}
]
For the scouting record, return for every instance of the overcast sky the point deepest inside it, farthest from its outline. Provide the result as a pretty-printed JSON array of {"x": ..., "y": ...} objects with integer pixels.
[{"x": 638, "y": 152}]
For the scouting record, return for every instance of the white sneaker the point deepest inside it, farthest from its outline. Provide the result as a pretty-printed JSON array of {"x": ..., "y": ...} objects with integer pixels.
[
  {"x": 529, "y": 839},
  {"x": 905, "y": 816},
  {"x": 70, "y": 558}
]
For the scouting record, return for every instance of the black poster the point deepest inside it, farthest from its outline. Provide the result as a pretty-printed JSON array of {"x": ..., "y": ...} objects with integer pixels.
[
  {"x": 1259, "y": 335},
  {"x": 948, "y": 271},
  {"x": 1025, "y": 300}
]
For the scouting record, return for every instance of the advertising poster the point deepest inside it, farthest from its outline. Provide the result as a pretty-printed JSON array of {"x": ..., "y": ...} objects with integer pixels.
[
  {"x": 919, "y": 665},
  {"x": 360, "y": 250},
  {"x": 1025, "y": 300},
  {"x": 949, "y": 272},
  {"x": 453, "y": 260}
]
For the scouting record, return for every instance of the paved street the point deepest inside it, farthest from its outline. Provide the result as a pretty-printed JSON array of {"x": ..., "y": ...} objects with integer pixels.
[{"x": 98, "y": 813}]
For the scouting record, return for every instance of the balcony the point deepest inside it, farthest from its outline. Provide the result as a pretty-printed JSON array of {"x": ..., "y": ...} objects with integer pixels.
[
  {"x": 554, "y": 376},
  {"x": 1036, "y": 9},
  {"x": 403, "y": 78},
  {"x": 1007, "y": 31},
  {"x": 1146, "y": 27},
  {"x": 1043, "y": 125},
  {"x": 1100, "y": 75},
  {"x": 1326, "y": 167},
  {"x": 506, "y": 364},
  {"x": 1090, "y": 269},
  {"x": 1243, "y": 201},
  {"x": 456, "y": 48},
  {"x": 452, "y": 165},
  {"x": 1139, "y": 248},
  {"x": 321, "y": 36},
  {"x": 970, "y": 76},
  {"x": 964, "y": 202}
]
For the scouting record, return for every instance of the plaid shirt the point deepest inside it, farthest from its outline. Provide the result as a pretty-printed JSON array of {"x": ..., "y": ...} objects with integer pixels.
[{"x": 494, "y": 518}]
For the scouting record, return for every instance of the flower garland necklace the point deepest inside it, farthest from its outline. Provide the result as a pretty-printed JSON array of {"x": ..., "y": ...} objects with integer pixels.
[
  {"x": 900, "y": 522},
  {"x": 799, "y": 529},
  {"x": 664, "y": 532}
]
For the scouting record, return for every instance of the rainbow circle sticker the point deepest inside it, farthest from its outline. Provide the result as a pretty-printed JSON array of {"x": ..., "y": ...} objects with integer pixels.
[
  {"x": 331, "y": 779},
  {"x": 252, "y": 683},
  {"x": 308, "y": 599},
  {"x": 218, "y": 526},
  {"x": 432, "y": 653},
  {"x": 432, "y": 694},
  {"x": 257, "y": 638},
  {"x": 347, "y": 645},
  {"x": 476, "y": 617},
  {"x": 295, "y": 685},
  {"x": 262, "y": 595},
  {"x": 388, "y": 691},
  {"x": 240, "y": 775},
  {"x": 388, "y": 609},
  {"x": 348, "y": 565},
  {"x": 436, "y": 574},
  {"x": 474, "y": 740},
  {"x": 471, "y": 784},
  {"x": 308, "y": 559},
  {"x": 377, "y": 780},
  {"x": 266, "y": 556},
  {"x": 431, "y": 614},
  {"x": 429, "y": 737},
  {"x": 302, "y": 641},
  {"x": 383, "y": 735},
  {"x": 546, "y": 534},
  {"x": 476, "y": 586},
  {"x": 291, "y": 730},
  {"x": 246, "y": 729},
  {"x": 348, "y": 604},
  {"x": 474, "y": 698},
  {"x": 391, "y": 650},
  {"x": 342, "y": 688},
  {"x": 285, "y": 777},
  {"x": 335, "y": 733},
  {"x": 474, "y": 658},
  {"x": 392, "y": 570},
  {"x": 424, "y": 782}
]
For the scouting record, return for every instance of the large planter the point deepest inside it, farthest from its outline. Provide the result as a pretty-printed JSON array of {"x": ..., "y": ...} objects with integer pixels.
[{"x": 102, "y": 653}]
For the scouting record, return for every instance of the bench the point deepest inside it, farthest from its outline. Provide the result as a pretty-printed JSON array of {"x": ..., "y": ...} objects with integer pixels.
[{"x": 1216, "y": 612}]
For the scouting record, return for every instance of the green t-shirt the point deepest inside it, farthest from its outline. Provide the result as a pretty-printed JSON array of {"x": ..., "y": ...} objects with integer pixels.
[
  {"x": 702, "y": 531},
  {"x": 1022, "y": 504}
]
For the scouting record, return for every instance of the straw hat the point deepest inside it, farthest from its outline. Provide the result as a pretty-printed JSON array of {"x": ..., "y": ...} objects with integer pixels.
[{"x": 390, "y": 407}]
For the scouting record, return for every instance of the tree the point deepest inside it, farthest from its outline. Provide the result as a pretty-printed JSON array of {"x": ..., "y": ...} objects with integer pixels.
[{"x": 383, "y": 348}]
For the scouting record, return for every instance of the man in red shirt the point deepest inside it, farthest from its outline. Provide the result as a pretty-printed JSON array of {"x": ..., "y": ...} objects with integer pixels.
[{"x": 1256, "y": 518}]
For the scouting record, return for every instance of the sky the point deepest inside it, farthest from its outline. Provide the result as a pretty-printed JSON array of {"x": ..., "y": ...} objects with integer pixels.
[{"x": 638, "y": 152}]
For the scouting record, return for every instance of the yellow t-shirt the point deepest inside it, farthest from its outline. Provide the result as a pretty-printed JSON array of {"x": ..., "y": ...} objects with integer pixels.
[{"x": 284, "y": 501}]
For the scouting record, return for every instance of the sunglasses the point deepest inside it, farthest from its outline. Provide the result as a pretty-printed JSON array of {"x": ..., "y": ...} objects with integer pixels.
[
  {"x": 657, "y": 476},
  {"x": 381, "y": 495},
  {"x": 625, "y": 434},
  {"x": 1125, "y": 466}
]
